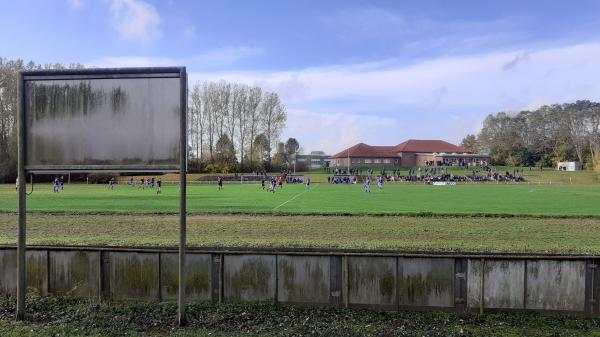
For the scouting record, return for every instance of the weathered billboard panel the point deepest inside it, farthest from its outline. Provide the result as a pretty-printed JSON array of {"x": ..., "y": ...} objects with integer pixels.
[{"x": 90, "y": 120}]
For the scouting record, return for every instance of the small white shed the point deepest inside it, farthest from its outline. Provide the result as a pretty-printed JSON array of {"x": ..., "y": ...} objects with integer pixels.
[{"x": 568, "y": 166}]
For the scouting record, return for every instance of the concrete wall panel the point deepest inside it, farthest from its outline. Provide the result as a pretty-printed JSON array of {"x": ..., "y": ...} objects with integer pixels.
[
  {"x": 556, "y": 285},
  {"x": 372, "y": 280},
  {"x": 504, "y": 282},
  {"x": 75, "y": 273},
  {"x": 303, "y": 279},
  {"x": 37, "y": 271},
  {"x": 197, "y": 278},
  {"x": 134, "y": 276},
  {"x": 426, "y": 282},
  {"x": 249, "y": 277}
]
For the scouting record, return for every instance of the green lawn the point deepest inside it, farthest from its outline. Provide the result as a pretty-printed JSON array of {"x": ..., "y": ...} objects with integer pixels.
[
  {"x": 492, "y": 199},
  {"x": 471, "y": 234}
]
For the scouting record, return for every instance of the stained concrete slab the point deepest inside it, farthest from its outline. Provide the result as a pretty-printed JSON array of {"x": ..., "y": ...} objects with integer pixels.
[
  {"x": 75, "y": 273},
  {"x": 134, "y": 275},
  {"x": 198, "y": 268},
  {"x": 37, "y": 271},
  {"x": 426, "y": 282},
  {"x": 249, "y": 277},
  {"x": 556, "y": 285},
  {"x": 504, "y": 282},
  {"x": 303, "y": 279},
  {"x": 372, "y": 281}
]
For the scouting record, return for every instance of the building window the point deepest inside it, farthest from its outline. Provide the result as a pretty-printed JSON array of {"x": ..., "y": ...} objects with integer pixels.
[
  {"x": 387, "y": 161},
  {"x": 367, "y": 161},
  {"x": 377, "y": 161},
  {"x": 355, "y": 160}
]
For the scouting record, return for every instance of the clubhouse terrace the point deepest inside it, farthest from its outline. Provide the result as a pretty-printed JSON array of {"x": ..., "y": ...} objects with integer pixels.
[{"x": 413, "y": 152}]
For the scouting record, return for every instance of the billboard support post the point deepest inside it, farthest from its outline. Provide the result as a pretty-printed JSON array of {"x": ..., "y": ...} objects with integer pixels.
[
  {"x": 181, "y": 319},
  {"x": 22, "y": 182}
]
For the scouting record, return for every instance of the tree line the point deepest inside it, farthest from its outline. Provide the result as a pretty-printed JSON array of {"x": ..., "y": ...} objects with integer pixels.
[
  {"x": 233, "y": 127},
  {"x": 541, "y": 137}
]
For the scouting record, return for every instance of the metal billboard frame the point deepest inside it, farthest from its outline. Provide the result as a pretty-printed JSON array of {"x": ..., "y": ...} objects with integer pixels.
[{"x": 23, "y": 170}]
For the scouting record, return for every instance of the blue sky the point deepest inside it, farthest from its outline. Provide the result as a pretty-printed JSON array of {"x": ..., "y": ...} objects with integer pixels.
[{"x": 348, "y": 71}]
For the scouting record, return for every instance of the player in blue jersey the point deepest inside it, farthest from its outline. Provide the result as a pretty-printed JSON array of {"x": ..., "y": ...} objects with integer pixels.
[
  {"x": 56, "y": 185},
  {"x": 367, "y": 185},
  {"x": 380, "y": 183}
]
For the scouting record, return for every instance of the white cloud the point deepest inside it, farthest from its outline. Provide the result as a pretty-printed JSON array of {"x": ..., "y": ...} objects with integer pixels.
[
  {"x": 442, "y": 98},
  {"x": 135, "y": 20},
  {"x": 210, "y": 59}
]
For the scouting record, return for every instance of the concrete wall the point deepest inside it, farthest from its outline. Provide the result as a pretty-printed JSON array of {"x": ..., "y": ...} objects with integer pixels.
[{"x": 354, "y": 279}]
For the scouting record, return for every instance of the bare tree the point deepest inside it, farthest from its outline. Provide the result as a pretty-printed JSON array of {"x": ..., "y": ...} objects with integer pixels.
[
  {"x": 252, "y": 112},
  {"x": 273, "y": 118}
]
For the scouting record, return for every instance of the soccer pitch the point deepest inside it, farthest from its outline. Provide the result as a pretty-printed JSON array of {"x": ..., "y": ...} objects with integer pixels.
[
  {"x": 528, "y": 218},
  {"x": 395, "y": 199}
]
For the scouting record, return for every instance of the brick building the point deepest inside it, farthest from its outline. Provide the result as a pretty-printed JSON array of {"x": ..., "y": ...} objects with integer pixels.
[{"x": 412, "y": 152}]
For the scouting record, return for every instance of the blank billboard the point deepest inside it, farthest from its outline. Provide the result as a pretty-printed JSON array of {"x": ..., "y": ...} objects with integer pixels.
[{"x": 103, "y": 122}]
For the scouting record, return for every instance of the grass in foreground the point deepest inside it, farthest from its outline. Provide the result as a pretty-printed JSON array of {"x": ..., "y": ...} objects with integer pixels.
[
  {"x": 524, "y": 199},
  {"x": 473, "y": 234},
  {"x": 55, "y": 316}
]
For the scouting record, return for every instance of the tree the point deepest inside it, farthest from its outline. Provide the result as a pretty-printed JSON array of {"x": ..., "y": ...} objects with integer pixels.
[
  {"x": 551, "y": 133},
  {"x": 225, "y": 152},
  {"x": 291, "y": 149},
  {"x": 273, "y": 116},
  {"x": 469, "y": 143},
  {"x": 252, "y": 114},
  {"x": 261, "y": 152}
]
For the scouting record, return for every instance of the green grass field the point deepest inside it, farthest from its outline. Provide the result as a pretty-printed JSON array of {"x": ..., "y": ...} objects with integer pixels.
[
  {"x": 471, "y": 234},
  {"x": 542, "y": 217},
  {"x": 492, "y": 199}
]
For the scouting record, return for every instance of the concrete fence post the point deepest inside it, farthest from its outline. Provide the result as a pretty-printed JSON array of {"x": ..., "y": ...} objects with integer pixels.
[
  {"x": 335, "y": 275},
  {"x": 592, "y": 288},
  {"x": 346, "y": 282},
  {"x": 104, "y": 275},
  {"x": 482, "y": 286},
  {"x": 460, "y": 284}
]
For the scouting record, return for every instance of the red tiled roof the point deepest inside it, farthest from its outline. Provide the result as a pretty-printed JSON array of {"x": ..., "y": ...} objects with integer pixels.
[
  {"x": 411, "y": 145},
  {"x": 364, "y": 150},
  {"x": 428, "y": 146}
]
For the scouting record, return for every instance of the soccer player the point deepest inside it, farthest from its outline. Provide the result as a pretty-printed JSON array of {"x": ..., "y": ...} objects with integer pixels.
[
  {"x": 56, "y": 185},
  {"x": 111, "y": 184},
  {"x": 131, "y": 181},
  {"x": 159, "y": 186},
  {"x": 220, "y": 183},
  {"x": 273, "y": 184},
  {"x": 280, "y": 182},
  {"x": 142, "y": 183},
  {"x": 308, "y": 184},
  {"x": 62, "y": 183},
  {"x": 262, "y": 182},
  {"x": 380, "y": 183},
  {"x": 367, "y": 186}
]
